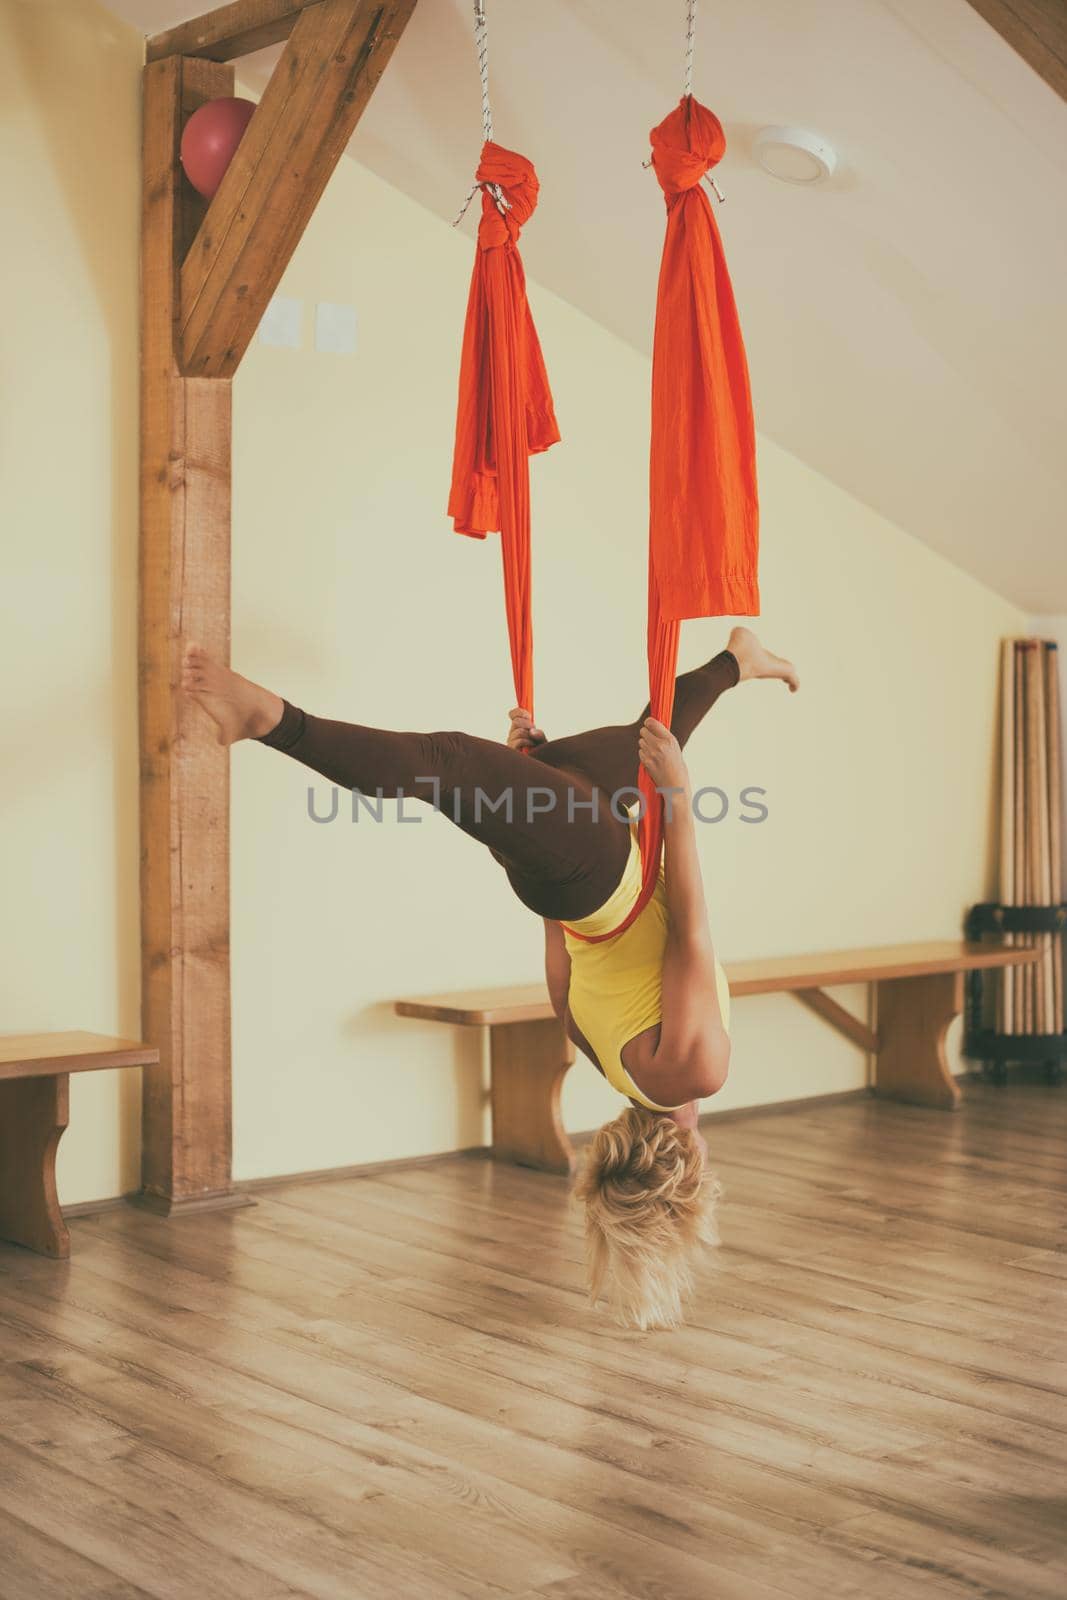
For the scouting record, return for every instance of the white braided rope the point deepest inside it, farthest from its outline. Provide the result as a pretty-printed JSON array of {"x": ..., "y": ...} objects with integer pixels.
[
  {"x": 690, "y": 31},
  {"x": 690, "y": 34},
  {"x": 481, "y": 45},
  {"x": 691, "y": 9},
  {"x": 465, "y": 207}
]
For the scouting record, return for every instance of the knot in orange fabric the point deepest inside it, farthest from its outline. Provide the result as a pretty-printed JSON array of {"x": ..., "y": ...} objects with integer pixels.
[
  {"x": 515, "y": 177},
  {"x": 685, "y": 145}
]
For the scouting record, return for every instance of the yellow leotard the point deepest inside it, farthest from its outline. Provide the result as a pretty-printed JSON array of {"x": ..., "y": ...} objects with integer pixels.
[{"x": 615, "y": 990}]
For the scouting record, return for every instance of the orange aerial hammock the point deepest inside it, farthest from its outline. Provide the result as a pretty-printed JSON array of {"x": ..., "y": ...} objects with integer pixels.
[
  {"x": 505, "y": 411},
  {"x": 703, "y": 529},
  {"x": 703, "y": 506}
]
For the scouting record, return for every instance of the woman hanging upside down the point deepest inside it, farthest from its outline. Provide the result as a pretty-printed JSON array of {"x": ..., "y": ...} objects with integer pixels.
[{"x": 650, "y": 1008}]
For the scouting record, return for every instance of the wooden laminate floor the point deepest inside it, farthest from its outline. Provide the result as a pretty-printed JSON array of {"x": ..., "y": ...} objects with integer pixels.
[{"x": 390, "y": 1386}]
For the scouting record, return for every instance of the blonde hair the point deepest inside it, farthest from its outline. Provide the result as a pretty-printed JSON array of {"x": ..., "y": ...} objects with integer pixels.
[{"x": 649, "y": 1215}]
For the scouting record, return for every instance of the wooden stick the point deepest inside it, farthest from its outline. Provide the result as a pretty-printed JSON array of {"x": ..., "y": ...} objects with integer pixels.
[
  {"x": 1055, "y": 799},
  {"x": 1048, "y": 1015},
  {"x": 1026, "y": 897},
  {"x": 1037, "y": 789},
  {"x": 1048, "y": 881},
  {"x": 1005, "y": 1008},
  {"x": 1030, "y": 785},
  {"x": 1022, "y": 1024}
]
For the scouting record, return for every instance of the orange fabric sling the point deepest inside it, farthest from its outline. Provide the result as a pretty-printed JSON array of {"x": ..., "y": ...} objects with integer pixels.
[
  {"x": 505, "y": 411},
  {"x": 703, "y": 531},
  {"x": 703, "y": 507}
]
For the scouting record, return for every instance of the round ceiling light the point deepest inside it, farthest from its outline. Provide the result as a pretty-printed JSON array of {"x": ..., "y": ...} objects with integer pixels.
[{"x": 794, "y": 155}]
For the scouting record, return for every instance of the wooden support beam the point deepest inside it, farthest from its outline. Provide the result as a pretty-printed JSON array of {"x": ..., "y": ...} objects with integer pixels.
[
  {"x": 211, "y": 272},
  {"x": 1036, "y": 30},
  {"x": 836, "y": 1015},
  {"x": 231, "y": 31},
  {"x": 317, "y": 93},
  {"x": 185, "y": 593}
]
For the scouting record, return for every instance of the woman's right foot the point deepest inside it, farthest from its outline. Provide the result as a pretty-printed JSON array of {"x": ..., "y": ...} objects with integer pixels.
[
  {"x": 757, "y": 662},
  {"x": 238, "y": 708}
]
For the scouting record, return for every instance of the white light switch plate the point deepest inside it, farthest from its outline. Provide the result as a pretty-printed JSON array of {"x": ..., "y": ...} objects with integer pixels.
[
  {"x": 282, "y": 323},
  {"x": 335, "y": 328}
]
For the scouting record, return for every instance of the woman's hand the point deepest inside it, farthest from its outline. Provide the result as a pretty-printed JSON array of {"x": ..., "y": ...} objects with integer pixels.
[
  {"x": 661, "y": 756},
  {"x": 522, "y": 735}
]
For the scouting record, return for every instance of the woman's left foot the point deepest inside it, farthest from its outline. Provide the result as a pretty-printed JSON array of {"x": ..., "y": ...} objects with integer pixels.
[
  {"x": 756, "y": 661},
  {"x": 239, "y": 708}
]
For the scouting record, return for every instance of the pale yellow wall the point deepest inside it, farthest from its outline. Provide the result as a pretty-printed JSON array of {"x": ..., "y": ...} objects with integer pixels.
[
  {"x": 352, "y": 597},
  {"x": 69, "y": 176}
]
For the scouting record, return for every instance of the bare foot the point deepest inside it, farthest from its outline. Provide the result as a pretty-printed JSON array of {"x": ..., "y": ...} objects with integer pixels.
[
  {"x": 756, "y": 662},
  {"x": 239, "y": 709}
]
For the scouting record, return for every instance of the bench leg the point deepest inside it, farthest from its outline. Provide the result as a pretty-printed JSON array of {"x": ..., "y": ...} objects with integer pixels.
[
  {"x": 913, "y": 1018},
  {"x": 529, "y": 1061},
  {"x": 33, "y": 1114}
]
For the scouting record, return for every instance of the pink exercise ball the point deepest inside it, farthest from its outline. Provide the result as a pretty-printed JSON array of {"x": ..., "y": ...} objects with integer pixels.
[{"x": 210, "y": 139}]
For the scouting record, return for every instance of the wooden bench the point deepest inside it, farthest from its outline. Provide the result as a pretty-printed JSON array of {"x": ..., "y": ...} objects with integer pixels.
[
  {"x": 919, "y": 992},
  {"x": 35, "y": 1073}
]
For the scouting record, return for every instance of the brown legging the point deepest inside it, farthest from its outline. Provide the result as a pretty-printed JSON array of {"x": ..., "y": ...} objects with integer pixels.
[{"x": 555, "y": 819}]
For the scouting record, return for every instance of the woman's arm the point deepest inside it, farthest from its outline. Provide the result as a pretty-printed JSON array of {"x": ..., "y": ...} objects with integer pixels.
[
  {"x": 685, "y": 886},
  {"x": 691, "y": 1026},
  {"x": 692, "y": 1037},
  {"x": 522, "y": 735},
  {"x": 558, "y": 977},
  {"x": 557, "y": 968}
]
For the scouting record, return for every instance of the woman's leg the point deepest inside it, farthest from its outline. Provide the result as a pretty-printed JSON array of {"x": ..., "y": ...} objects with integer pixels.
[
  {"x": 562, "y": 860},
  {"x": 607, "y": 757}
]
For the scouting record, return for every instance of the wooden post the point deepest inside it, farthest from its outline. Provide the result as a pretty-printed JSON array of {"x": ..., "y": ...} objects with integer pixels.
[
  {"x": 1037, "y": 843},
  {"x": 1024, "y": 994},
  {"x": 1007, "y": 988},
  {"x": 185, "y": 593},
  {"x": 207, "y": 274},
  {"x": 1055, "y": 794}
]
